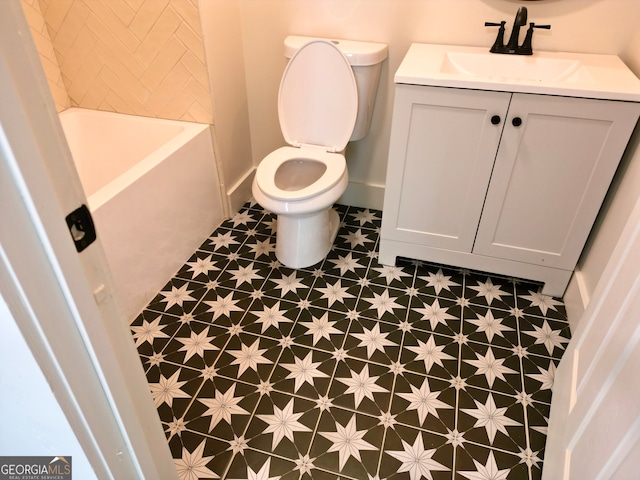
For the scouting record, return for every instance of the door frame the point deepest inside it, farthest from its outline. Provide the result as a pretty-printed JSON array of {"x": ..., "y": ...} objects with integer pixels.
[{"x": 62, "y": 301}]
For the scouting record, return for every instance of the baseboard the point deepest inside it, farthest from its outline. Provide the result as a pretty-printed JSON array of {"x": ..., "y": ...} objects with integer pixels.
[
  {"x": 240, "y": 192},
  {"x": 364, "y": 195}
]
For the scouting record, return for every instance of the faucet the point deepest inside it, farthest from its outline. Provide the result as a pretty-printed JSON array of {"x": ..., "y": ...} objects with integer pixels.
[
  {"x": 519, "y": 21},
  {"x": 512, "y": 45}
]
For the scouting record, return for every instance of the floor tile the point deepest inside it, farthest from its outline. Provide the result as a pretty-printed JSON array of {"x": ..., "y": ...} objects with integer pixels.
[
  {"x": 424, "y": 402},
  {"x": 347, "y": 443},
  {"x": 410, "y": 454},
  {"x": 348, "y": 368},
  {"x": 361, "y": 386},
  {"x": 321, "y": 329},
  {"x": 283, "y": 425}
]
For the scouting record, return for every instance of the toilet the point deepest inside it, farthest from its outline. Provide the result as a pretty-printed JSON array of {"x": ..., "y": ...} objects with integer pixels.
[{"x": 325, "y": 100}]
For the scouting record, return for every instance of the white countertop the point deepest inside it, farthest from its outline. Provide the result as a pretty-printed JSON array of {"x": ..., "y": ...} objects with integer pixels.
[{"x": 595, "y": 76}]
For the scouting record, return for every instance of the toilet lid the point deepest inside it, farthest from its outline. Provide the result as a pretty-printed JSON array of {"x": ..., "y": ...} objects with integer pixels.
[{"x": 318, "y": 99}]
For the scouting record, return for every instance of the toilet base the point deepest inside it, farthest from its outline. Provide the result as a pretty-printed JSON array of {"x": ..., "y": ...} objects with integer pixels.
[{"x": 304, "y": 240}]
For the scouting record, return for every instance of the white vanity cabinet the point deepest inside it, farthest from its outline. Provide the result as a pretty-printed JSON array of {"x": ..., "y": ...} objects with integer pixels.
[{"x": 503, "y": 182}]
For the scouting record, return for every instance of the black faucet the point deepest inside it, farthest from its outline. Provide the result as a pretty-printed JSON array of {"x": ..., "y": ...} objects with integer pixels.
[
  {"x": 512, "y": 46},
  {"x": 519, "y": 21}
]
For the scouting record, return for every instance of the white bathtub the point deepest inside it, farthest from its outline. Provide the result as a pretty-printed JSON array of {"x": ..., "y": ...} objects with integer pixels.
[{"x": 153, "y": 190}]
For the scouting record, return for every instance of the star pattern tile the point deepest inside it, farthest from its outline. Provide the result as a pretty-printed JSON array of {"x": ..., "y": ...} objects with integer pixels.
[{"x": 347, "y": 369}]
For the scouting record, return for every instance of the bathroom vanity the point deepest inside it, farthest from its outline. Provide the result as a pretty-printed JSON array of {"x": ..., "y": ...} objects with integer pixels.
[{"x": 501, "y": 163}]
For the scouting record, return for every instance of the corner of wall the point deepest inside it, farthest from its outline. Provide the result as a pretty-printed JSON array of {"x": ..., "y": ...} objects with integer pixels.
[
  {"x": 223, "y": 45},
  {"x": 46, "y": 52},
  {"x": 145, "y": 58},
  {"x": 576, "y": 299},
  {"x": 240, "y": 192},
  {"x": 363, "y": 195}
]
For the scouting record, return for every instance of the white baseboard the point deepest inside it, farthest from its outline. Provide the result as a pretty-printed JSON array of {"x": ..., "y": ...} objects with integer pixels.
[
  {"x": 364, "y": 195},
  {"x": 240, "y": 192}
]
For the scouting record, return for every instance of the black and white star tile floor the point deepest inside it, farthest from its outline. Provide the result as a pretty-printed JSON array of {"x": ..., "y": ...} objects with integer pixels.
[{"x": 348, "y": 369}]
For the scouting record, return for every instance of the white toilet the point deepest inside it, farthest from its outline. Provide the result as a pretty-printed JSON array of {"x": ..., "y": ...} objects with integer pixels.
[{"x": 326, "y": 99}]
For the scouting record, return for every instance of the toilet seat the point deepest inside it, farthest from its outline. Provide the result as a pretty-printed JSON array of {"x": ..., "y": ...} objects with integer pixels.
[{"x": 335, "y": 163}]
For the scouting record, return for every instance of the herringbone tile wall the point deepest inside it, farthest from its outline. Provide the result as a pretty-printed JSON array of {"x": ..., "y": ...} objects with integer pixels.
[
  {"x": 41, "y": 38},
  {"x": 141, "y": 57}
]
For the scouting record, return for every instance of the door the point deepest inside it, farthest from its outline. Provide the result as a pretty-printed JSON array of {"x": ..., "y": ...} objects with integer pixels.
[
  {"x": 556, "y": 160},
  {"x": 594, "y": 429},
  {"x": 62, "y": 300},
  {"x": 443, "y": 145}
]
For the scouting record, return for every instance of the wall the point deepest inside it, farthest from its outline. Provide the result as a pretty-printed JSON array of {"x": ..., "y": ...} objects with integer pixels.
[
  {"x": 41, "y": 38},
  {"x": 222, "y": 30},
  {"x": 141, "y": 57},
  {"x": 597, "y": 26}
]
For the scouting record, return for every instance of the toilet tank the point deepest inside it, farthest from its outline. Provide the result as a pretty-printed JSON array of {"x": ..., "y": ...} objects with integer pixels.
[{"x": 366, "y": 60}]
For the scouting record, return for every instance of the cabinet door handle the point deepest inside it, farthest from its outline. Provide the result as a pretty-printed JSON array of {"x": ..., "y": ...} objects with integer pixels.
[
  {"x": 495, "y": 120},
  {"x": 516, "y": 122}
]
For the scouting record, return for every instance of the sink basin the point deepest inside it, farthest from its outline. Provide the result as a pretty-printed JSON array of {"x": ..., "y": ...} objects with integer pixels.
[
  {"x": 550, "y": 73},
  {"x": 537, "y": 68}
]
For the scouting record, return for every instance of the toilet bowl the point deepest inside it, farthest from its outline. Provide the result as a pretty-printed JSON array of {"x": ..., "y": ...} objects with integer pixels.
[
  {"x": 300, "y": 186},
  {"x": 317, "y": 109}
]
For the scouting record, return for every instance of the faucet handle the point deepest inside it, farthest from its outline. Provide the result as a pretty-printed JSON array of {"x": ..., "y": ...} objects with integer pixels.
[
  {"x": 498, "y": 45},
  {"x": 526, "y": 48}
]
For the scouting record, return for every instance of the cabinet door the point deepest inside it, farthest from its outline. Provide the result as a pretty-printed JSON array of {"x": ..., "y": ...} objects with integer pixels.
[
  {"x": 442, "y": 149},
  {"x": 550, "y": 177}
]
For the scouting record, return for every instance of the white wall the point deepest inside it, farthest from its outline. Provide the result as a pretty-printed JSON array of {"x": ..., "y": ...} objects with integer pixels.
[
  {"x": 222, "y": 35},
  {"x": 33, "y": 423}
]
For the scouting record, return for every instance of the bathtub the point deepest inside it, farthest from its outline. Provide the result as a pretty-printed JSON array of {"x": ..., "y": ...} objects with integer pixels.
[{"x": 153, "y": 191}]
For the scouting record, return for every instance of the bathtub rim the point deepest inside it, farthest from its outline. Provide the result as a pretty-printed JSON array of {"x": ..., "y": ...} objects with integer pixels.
[{"x": 189, "y": 131}]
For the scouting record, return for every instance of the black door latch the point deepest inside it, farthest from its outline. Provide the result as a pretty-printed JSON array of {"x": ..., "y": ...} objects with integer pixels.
[{"x": 81, "y": 227}]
